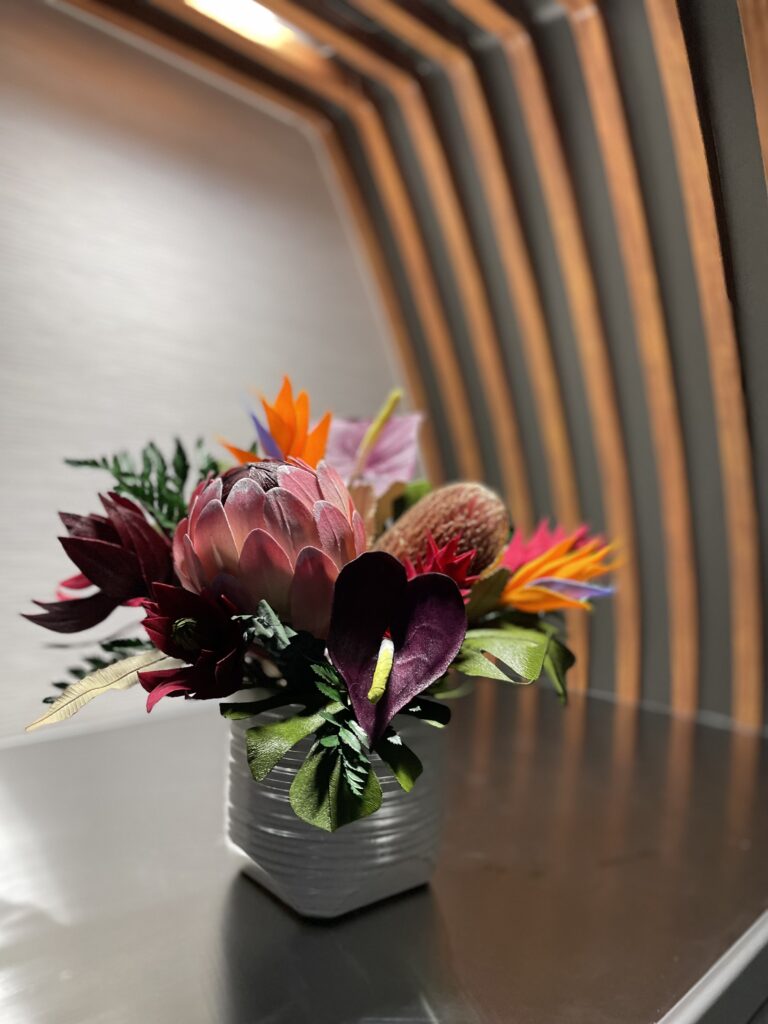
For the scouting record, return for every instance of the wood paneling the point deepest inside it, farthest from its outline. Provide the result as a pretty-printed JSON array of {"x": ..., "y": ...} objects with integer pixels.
[
  {"x": 498, "y": 310},
  {"x": 746, "y": 682},
  {"x": 605, "y": 100}
]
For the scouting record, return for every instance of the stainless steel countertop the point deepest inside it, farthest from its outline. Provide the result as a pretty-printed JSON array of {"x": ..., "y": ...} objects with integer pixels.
[{"x": 596, "y": 863}]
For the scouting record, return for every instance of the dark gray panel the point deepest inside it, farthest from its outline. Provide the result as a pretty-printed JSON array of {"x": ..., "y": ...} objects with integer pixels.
[
  {"x": 549, "y": 26},
  {"x": 654, "y": 153},
  {"x": 724, "y": 94}
]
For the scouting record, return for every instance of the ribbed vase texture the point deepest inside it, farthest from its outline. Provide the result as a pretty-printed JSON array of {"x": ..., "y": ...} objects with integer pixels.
[{"x": 322, "y": 874}]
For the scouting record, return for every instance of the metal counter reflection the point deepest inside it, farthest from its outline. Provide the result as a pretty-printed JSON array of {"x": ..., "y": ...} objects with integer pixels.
[{"x": 392, "y": 962}]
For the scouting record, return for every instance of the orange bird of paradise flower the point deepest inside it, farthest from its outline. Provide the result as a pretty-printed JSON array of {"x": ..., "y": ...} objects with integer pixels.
[
  {"x": 554, "y": 570},
  {"x": 287, "y": 434}
]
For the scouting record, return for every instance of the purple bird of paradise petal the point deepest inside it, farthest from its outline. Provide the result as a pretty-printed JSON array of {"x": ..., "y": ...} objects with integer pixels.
[
  {"x": 266, "y": 440},
  {"x": 575, "y": 589},
  {"x": 424, "y": 618}
]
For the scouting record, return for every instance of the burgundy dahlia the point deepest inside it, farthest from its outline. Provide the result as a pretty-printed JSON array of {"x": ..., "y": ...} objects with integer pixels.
[
  {"x": 120, "y": 554},
  {"x": 197, "y": 629}
]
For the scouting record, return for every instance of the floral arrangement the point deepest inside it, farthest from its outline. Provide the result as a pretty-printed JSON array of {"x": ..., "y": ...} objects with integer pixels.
[{"x": 315, "y": 575}]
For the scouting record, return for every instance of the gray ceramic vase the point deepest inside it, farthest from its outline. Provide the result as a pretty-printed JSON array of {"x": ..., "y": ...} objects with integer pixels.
[{"x": 322, "y": 874}]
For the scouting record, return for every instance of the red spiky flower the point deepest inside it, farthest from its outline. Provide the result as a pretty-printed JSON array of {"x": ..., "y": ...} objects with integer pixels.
[{"x": 446, "y": 560}]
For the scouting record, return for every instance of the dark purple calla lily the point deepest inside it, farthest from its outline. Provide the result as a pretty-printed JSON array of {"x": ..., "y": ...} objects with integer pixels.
[{"x": 424, "y": 618}]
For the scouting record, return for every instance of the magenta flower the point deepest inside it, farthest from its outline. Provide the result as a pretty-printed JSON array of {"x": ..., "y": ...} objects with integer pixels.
[
  {"x": 280, "y": 533},
  {"x": 121, "y": 554},
  {"x": 520, "y": 551},
  {"x": 391, "y": 638},
  {"x": 391, "y": 459}
]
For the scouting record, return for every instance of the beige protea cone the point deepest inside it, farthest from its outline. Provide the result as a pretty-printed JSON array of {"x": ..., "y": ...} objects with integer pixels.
[{"x": 469, "y": 510}]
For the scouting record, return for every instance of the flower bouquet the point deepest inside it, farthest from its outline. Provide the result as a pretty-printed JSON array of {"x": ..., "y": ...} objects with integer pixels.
[{"x": 337, "y": 602}]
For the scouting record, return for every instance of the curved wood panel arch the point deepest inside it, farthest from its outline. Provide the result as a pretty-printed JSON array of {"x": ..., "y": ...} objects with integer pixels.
[
  {"x": 733, "y": 435},
  {"x": 646, "y": 115},
  {"x": 584, "y": 309},
  {"x": 313, "y": 72},
  {"x": 605, "y": 100},
  {"x": 426, "y": 144},
  {"x": 519, "y": 276},
  {"x": 469, "y": 276}
]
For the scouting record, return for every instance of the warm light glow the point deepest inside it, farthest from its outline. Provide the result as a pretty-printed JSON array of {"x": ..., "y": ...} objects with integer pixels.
[{"x": 247, "y": 18}]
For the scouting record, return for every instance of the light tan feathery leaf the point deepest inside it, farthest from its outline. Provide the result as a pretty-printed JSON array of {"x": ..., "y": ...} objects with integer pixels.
[{"x": 120, "y": 676}]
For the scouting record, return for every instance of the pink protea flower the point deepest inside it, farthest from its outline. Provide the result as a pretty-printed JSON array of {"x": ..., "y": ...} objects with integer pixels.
[{"x": 280, "y": 536}]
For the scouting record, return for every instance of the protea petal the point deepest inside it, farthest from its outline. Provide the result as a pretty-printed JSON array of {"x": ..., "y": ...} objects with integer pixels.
[
  {"x": 334, "y": 489},
  {"x": 210, "y": 492},
  {"x": 178, "y": 549},
  {"x": 358, "y": 532},
  {"x": 301, "y": 482},
  {"x": 335, "y": 533},
  {"x": 213, "y": 539},
  {"x": 289, "y": 521},
  {"x": 312, "y": 592},
  {"x": 265, "y": 571},
  {"x": 191, "y": 570},
  {"x": 244, "y": 508}
]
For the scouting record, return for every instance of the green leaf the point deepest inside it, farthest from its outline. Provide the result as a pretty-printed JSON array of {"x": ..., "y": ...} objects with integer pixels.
[
  {"x": 429, "y": 711},
  {"x": 557, "y": 661},
  {"x": 350, "y": 739},
  {"x": 119, "y": 676},
  {"x": 266, "y": 745},
  {"x": 320, "y": 794},
  {"x": 180, "y": 464},
  {"x": 410, "y": 494},
  {"x": 450, "y": 688},
  {"x": 235, "y": 712},
  {"x": 266, "y": 628},
  {"x": 400, "y": 759},
  {"x": 486, "y": 594},
  {"x": 510, "y": 653}
]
